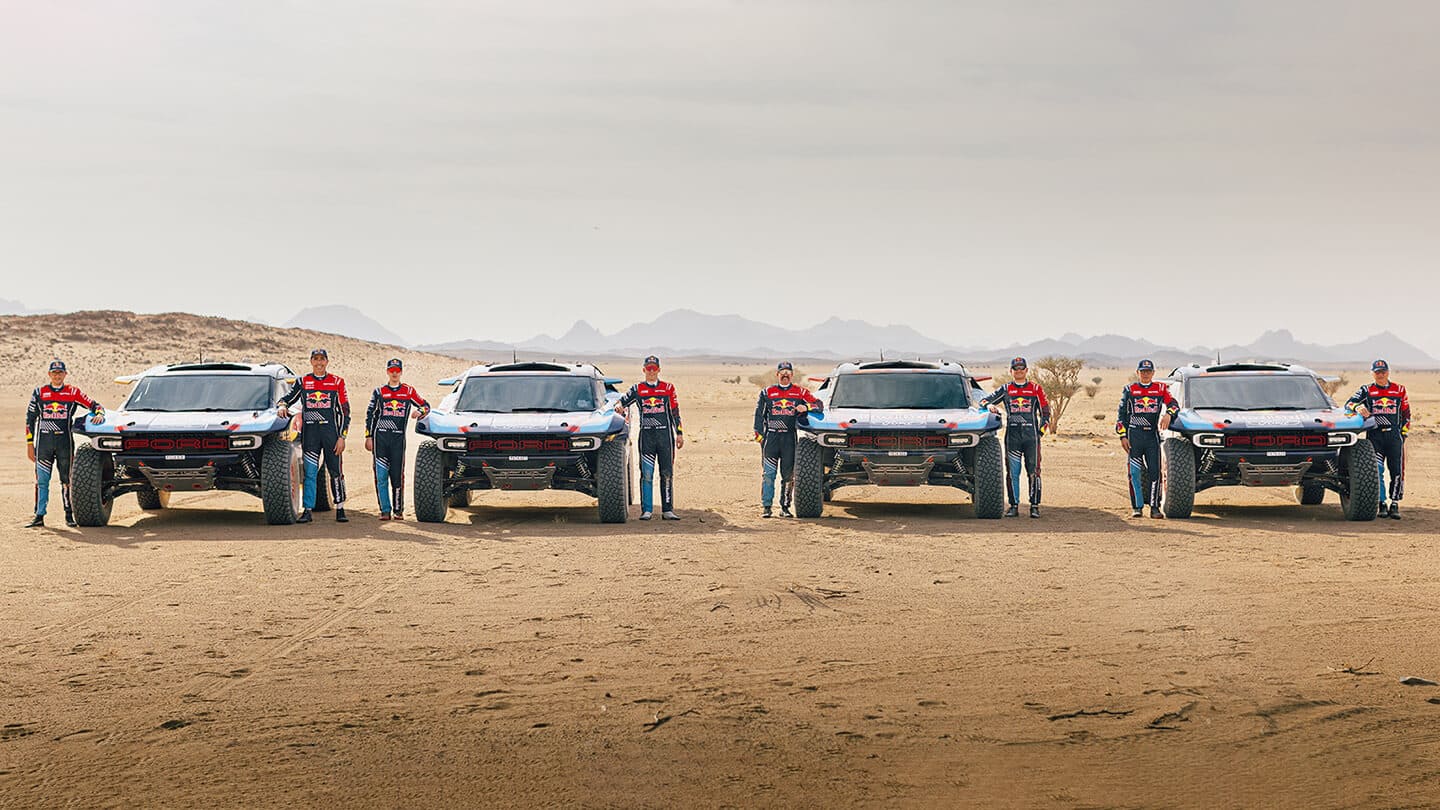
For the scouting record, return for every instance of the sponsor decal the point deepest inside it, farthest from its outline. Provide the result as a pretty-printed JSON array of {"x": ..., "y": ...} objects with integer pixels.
[{"x": 393, "y": 407}]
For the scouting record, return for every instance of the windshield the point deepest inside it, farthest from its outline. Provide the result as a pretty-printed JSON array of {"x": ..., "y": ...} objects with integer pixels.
[
  {"x": 201, "y": 392},
  {"x": 901, "y": 390},
  {"x": 1256, "y": 392},
  {"x": 516, "y": 393}
]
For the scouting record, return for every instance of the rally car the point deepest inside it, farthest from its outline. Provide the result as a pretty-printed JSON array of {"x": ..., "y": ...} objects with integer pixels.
[
  {"x": 1265, "y": 425},
  {"x": 524, "y": 426},
  {"x": 191, "y": 427},
  {"x": 900, "y": 423}
]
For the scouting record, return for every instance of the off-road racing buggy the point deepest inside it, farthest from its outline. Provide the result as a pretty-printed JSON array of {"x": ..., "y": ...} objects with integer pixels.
[
  {"x": 900, "y": 423},
  {"x": 191, "y": 427},
  {"x": 524, "y": 426},
  {"x": 1265, "y": 425}
]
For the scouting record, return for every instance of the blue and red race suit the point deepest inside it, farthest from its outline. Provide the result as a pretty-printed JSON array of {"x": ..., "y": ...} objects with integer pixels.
[
  {"x": 1138, "y": 419},
  {"x": 1389, "y": 406},
  {"x": 777, "y": 414},
  {"x": 387, "y": 420},
  {"x": 324, "y": 421},
  {"x": 49, "y": 426},
  {"x": 1027, "y": 414},
  {"x": 659, "y": 425}
]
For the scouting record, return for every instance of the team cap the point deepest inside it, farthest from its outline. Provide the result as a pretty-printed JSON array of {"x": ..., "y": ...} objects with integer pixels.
[
  {"x": 314, "y": 353},
  {"x": 1146, "y": 365},
  {"x": 785, "y": 365},
  {"x": 394, "y": 363},
  {"x": 1018, "y": 363},
  {"x": 57, "y": 365},
  {"x": 652, "y": 360},
  {"x": 1378, "y": 365}
]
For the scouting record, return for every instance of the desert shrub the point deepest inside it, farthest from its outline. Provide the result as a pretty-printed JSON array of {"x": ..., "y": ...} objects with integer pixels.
[
  {"x": 1092, "y": 390},
  {"x": 1060, "y": 377}
]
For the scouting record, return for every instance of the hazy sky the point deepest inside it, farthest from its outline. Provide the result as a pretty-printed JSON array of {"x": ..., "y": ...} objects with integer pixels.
[{"x": 986, "y": 172}]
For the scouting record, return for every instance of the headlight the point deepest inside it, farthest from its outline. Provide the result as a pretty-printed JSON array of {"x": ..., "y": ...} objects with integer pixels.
[
  {"x": 244, "y": 442},
  {"x": 109, "y": 443},
  {"x": 962, "y": 439},
  {"x": 453, "y": 443},
  {"x": 584, "y": 443},
  {"x": 1209, "y": 439},
  {"x": 1342, "y": 439},
  {"x": 834, "y": 439}
]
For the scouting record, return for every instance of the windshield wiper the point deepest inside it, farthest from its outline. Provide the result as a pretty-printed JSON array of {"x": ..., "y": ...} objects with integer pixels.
[
  {"x": 540, "y": 410},
  {"x": 482, "y": 410}
]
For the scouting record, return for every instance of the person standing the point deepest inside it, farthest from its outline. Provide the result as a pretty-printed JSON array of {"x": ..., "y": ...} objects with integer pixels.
[
  {"x": 1146, "y": 408},
  {"x": 777, "y": 415},
  {"x": 661, "y": 434},
  {"x": 1387, "y": 402},
  {"x": 391, "y": 406},
  {"x": 50, "y": 439},
  {"x": 1027, "y": 413},
  {"x": 325, "y": 420}
]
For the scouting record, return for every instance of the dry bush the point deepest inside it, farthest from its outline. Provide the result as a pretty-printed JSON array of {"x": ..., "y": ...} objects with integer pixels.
[
  {"x": 1097, "y": 380},
  {"x": 1334, "y": 386},
  {"x": 1060, "y": 377},
  {"x": 1092, "y": 390}
]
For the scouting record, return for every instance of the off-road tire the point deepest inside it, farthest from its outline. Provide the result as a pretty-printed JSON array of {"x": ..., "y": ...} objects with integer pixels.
[
  {"x": 1310, "y": 494},
  {"x": 282, "y": 473},
  {"x": 1363, "y": 495},
  {"x": 989, "y": 495},
  {"x": 152, "y": 499},
  {"x": 431, "y": 505},
  {"x": 611, "y": 482},
  {"x": 809, "y": 479},
  {"x": 89, "y": 496},
  {"x": 1178, "y": 486}
]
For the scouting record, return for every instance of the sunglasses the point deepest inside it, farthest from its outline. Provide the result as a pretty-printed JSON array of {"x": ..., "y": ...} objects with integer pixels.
[{"x": 651, "y": 367}]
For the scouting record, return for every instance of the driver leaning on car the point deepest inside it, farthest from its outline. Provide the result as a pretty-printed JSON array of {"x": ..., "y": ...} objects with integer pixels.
[
  {"x": 1387, "y": 402},
  {"x": 325, "y": 419}
]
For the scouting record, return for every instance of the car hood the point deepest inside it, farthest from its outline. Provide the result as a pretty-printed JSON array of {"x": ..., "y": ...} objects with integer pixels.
[
  {"x": 1317, "y": 419},
  {"x": 903, "y": 419},
  {"x": 449, "y": 423},
  {"x": 218, "y": 422}
]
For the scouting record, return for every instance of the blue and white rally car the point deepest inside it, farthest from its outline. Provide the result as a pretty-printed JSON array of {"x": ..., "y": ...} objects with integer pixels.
[
  {"x": 1265, "y": 425},
  {"x": 192, "y": 427},
  {"x": 900, "y": 423},
  {"x": 524, "y": 426}
]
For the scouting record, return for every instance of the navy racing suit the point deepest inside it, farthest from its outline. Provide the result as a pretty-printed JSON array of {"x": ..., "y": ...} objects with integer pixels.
[
  {"x": 777, "y": 414},
  {"x": 49, "y": 426},
  {"x": 325, "y": 420},
  {"x": 659, "y": 425},
  {"x": 1138, "y": 419},
  {"x": 386, "y": 423},
  {"x": 1027, "y": 413}
]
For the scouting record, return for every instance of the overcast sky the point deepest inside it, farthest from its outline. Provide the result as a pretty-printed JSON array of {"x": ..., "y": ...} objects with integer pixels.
[{"x": 986, "y": 172}]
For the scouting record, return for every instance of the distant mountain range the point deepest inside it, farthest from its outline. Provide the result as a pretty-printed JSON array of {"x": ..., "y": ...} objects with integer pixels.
[
  {"x": 8, "y": 307},
  {"x": 343, "y": 320},
  {"x": 685, "y": 333}
]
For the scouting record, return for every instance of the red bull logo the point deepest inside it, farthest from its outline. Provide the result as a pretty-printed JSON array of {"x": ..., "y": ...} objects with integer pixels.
[
  {"x": 317, "y": 399},
  {"x": 393, "y": 407},
  {"x": 54, "y": 410}
]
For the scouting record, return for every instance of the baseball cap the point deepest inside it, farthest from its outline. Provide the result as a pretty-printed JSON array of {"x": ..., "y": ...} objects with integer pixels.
[
  {"x": 1378, "y": 365},
  {"x": 785, "y": 365},
  {"x": 395, "y": 363},
  {"x": 1019, "y": 363},
  {"x": 652, "y": 360},
  {"x": 1146, "y": 365},
  {"x": 57, "y": 365},
  {"x": 319, "y": 353}
]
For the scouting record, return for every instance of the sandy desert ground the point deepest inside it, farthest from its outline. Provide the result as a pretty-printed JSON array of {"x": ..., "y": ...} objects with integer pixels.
[{"x": 894, "y": 652}]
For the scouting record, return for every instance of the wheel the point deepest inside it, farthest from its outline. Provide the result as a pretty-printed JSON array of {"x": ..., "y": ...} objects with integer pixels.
[
  {"x": 322, "y": 489},
  {"x": 1362, "y": 497},
  {"x": 809, "y": 479},
  {"x": 989, "y": 495},
  {"x": 282, "y": 474},
  {"x": 610, "y": 485},
  {"x": 152, "y": 499},
  {"x": 431, "y": 505},
  {"x": 1310, "y": 494},
  {"x": 90, "y": 496},
  {"x": 1178, "y": 463}
]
